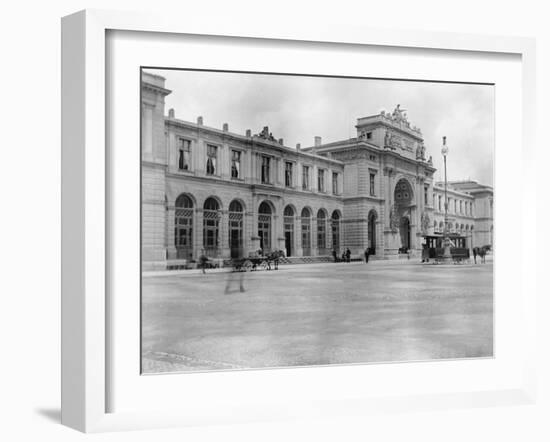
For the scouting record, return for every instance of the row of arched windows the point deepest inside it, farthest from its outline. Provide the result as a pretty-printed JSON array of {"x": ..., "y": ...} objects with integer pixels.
[
  {"x": 458, "y": 228},
  {"x": 184, "y": 219}
]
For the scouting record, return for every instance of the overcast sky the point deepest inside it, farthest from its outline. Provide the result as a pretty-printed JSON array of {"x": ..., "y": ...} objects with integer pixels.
[{"x": 299, "y": 108}]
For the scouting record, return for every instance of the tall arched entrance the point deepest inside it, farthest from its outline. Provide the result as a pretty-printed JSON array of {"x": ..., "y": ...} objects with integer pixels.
[
  {"x": 403, "y": 197},
  {"x": 322, "y": 232},
  {"x": 306, "y": 231},
  {"x": 405, "y": 233},
  {"x": 183, "y": 227},
  {"x": 335, "y": 226},
  {"x": 265, "y": 215},
  {"x": 211, "y": 227},
  {"x": 289, "y": 230},
  {"x": 371, "y": 232}
]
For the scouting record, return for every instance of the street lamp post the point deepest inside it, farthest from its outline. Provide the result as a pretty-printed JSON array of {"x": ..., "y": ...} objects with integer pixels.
[{"x": 447, "y": 258}]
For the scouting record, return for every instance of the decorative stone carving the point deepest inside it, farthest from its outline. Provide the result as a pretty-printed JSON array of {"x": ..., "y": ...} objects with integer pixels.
[
  {"x": 394, "y": 218},
  {"x": 420, "y": 152},
  {"x": 425, "y": 223},
  {"x": 392, "y": 141}
]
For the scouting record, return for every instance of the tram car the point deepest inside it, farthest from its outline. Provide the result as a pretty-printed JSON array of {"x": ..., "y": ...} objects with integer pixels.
[{"x": 433, "y": 247}]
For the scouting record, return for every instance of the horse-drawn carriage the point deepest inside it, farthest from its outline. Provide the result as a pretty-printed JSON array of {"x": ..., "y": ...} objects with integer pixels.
[
  {"x": 257, "y": 261},
  {"x": 433, "y": 248}
]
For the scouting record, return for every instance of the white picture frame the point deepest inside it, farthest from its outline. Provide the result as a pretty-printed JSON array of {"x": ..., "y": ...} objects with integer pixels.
[{"x": 86, "y": 316}]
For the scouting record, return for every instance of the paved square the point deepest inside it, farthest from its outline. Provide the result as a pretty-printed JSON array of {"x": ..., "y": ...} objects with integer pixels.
[{"x": 317, "y": 314}]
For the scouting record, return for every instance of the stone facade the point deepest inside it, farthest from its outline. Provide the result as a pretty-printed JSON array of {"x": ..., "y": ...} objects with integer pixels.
[{"x": 212, "y": 191}]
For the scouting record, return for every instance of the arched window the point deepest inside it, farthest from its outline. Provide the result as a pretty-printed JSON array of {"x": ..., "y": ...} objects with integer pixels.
[
  {"x": 289, "y": 230},
  {"x": 183, "y": 227},
  {"x": 322, "y": 232},
  {"x": 211, "y": 227},
  {"x": 306, "y": 231},
  {"x": 236, "y": 214},
  {"x": 264, "y": 226}
]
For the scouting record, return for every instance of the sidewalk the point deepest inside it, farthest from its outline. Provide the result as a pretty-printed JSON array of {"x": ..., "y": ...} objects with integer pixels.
[{"x": 282, "y": 267}]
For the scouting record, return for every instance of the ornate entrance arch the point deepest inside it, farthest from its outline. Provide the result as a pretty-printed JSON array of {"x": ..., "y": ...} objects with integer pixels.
[
  {"x": 403, "y": 197},
  {"x": 405, "y": 233}
]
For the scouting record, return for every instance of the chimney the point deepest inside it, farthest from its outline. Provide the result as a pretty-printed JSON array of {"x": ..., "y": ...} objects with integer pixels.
[
  {"x": 171, "y": 113},
  {"x": 225, "y": 127},
  {"x": 281, "y": 141},
  {"x": 199, "y": 121},
  {"x": 248, "y": 133},
  {"x": 317, "y": 141},
  {"x": 298, "y": 147}
]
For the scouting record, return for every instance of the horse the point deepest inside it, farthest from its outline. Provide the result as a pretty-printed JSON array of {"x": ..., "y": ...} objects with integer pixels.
[
  {"x": 481, "y": 252},
  {"x": 274, "y": 256}
]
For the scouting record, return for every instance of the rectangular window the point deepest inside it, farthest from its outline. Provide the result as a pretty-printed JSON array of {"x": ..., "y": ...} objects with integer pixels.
[
  {"x": 236, "y": 164},
  {"x": 305, "y": 177},
  {"x": 369, "y": 135},
  {"x": 426, "y": 195},
  {"x": 212, "y": 159},
  {"x": 265, "y": 169},
  {"x": 184, "y": 158},
  {"x": 439, "y": 203},
  {"x": 288, "y": 174},
  {"x": 371, "y": 184},
  {"x": 334, "y": 183},
  {"x": 320, "y": 180}
]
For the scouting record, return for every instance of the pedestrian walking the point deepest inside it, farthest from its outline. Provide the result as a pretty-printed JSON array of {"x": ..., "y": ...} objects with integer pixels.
[
  {"x": 203, "y": 261},
  {"x": 367, "y": 253},
  {"x": 348, "y": 255},
  {"x": 335, "y": 256}
]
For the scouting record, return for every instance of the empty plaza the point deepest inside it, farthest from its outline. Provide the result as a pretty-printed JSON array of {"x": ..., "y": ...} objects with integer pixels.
[{"x": 316, "y": 314}]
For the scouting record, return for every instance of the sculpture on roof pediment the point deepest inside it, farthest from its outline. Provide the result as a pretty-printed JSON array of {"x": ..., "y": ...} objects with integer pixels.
[
  {"x": 399, "y": 115},
  {"x": 430, "y": 161},
  {"x": 265, "y": 134}
]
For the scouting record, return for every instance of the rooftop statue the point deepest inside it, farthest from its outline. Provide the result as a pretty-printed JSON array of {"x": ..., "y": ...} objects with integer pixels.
[
  {"x": 265, "y": 134},
  {"x": 399, "y": 115}
]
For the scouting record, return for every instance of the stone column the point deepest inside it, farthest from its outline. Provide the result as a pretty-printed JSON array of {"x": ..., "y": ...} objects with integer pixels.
[
  {"x": 298, "y": 236},
  {"x": 248, "y": 233},
  {"x": 170, "y": 226},
  {"x": 224, "y": 235},
  {"x": 197, "y": 234},
  {"x": 313, "y": 232},
  {"x": 328, "y": 223}
]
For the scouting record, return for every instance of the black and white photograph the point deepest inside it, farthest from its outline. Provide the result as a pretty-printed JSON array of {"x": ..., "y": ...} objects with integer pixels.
[{"x": 299, "y": 221}]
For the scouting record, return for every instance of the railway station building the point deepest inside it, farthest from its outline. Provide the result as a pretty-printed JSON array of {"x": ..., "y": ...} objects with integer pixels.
[{"x": 225, "y": 194}]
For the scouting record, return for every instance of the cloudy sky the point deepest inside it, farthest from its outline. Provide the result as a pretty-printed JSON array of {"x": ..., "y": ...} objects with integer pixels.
[{"x": 299, "y": 108}]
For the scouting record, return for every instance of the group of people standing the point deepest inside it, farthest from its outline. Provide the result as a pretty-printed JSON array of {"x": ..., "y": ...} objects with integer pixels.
[{"x": 346, "y": 255}]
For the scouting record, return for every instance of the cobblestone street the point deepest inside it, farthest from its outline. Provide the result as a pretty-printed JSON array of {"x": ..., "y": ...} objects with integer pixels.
[{"x": 315, "y": 315}]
